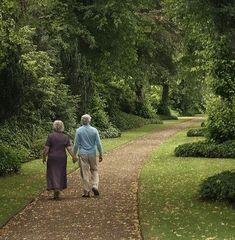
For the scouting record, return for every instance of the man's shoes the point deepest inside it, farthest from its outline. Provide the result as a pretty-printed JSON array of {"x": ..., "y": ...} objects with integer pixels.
[
  {"x": 95, "y": 191},
  {"x": 86, "y": 195}
]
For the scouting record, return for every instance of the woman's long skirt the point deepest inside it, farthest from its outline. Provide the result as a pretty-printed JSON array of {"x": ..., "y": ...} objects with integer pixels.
[{"x": 56, "y": 173}]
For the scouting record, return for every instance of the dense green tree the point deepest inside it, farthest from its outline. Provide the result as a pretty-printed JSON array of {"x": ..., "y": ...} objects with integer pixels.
[
  {"x": 99, "y": 50},
  {"x": 157, "y": 52},
  {"x": 28, "y": 79},
  {"x": 209, "y": 25},
  {"x": 11, "y": 71}
]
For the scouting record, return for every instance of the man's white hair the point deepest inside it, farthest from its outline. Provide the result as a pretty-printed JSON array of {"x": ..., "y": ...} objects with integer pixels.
[
  {"x": 86, "y": 119},
  {"x": 58, "y": 126}
]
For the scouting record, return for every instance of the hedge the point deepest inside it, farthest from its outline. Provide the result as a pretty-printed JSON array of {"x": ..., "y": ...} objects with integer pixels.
[
  {"x": 125, "y": 121},
  {"x": 206, "y": 149},
  {"x": 219, "y": 187},
  {"x": 197, "y": 132}
]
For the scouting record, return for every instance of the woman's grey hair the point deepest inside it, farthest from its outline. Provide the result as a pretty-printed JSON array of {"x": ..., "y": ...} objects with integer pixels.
[
  {"x": 58, "y": 126},
  {"x": 86, "y": 119}
]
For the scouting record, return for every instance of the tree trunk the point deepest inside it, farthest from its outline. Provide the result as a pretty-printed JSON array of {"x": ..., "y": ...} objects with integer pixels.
[
  {"x": 163, "y": 107},
  {"x": 139, "y": 105}
]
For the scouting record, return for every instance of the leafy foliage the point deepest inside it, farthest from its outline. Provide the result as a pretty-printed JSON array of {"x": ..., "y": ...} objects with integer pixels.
[
  {"x": 85, "y": 49},
  {"x": 206, "y": 149},
  {"x": 110, "y": 132},
  {"x": 219, "y": 187},
  {"x": 221, "y": 123},
  {"x": 23, "y": 137},
  {"x": 125, "y": 121},
  {"x": 208, "y": 31},
  {"x": 10, "y": 159},
  {"x": 36, "y": 148},
  {"x": 198, "y": 132},
  {"x": 10, "y": 70},
  {"x": 108, "y": 57},
  {"x": 187, "y": 96}
]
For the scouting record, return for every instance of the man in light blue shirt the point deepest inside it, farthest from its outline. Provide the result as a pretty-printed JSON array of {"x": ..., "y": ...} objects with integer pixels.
[{"x": 86, "y": 140}]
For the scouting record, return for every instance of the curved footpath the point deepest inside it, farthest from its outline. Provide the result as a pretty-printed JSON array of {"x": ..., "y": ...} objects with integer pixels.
[{"x": 114, "y": 215}]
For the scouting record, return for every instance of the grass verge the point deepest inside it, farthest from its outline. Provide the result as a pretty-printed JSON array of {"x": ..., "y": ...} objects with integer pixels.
[
  {"x": 168, "y": 203},
  {"x": 18, "y": 190}
]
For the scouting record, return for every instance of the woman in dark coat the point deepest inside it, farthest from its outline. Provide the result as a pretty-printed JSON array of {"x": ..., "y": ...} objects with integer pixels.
[{"x": 55, "y": 156}]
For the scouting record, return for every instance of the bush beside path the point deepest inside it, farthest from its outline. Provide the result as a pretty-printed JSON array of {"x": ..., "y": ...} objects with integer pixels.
[{"x": 114, "y": 215}]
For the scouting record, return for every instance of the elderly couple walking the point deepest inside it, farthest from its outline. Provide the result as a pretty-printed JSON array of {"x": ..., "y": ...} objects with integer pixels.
[{"x": 86, "y": 140}]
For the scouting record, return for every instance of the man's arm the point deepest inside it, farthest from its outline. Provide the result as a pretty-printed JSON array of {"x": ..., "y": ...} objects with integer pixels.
[{"x": 99, "y": 147}]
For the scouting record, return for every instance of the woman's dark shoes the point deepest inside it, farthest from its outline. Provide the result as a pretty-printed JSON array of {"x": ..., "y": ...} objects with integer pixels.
[
  {"x": 95, "y": 191},
  {"x": 56, "y": 195}
]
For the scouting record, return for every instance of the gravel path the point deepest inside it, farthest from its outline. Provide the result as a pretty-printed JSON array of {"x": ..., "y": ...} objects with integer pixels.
[{"x": 114, "y": 215}]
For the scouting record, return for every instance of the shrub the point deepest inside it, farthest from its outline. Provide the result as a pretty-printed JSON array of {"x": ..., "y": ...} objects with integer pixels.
[
  {"x": 15, "y": 135},
  {"x": 204, "y": 124},
  {"x": 24, "y": 137},
  {"x": 221, "y": 115},
  {"x": 37, "y": 148},
  {"x": 168, "y": 117},
  {"x": 145, "y": 110},
  {"x": 9, "y": 159},
  {"x": 111, "y": 132},
  {"x": 196, "y": 132},
  {"x": 219, "y": 187},
  {"x": 100, "y": 118},
  {"x": 23, "y": 154},
  {"x": 206, "y": 149},
  {"x": 65, "y": 107},
  {"x": 125, "y": 121}
]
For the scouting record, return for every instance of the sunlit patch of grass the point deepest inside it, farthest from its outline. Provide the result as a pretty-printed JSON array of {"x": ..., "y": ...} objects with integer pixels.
[
  {"x": 168, "y": 200},
  {"x": 18, "y": 190}
]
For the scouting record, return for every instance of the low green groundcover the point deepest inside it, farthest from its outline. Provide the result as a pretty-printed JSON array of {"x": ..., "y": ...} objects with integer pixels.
[{"x": 206, "y": 149}]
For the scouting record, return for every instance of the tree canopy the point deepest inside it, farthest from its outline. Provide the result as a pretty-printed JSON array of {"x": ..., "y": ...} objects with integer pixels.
[{"x": 60, "y": 59}]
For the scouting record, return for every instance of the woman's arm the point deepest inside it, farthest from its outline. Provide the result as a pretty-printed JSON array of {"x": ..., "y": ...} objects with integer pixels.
[
  {"x": 74, "y": 157},
  {"x": 45, "y": 153}
]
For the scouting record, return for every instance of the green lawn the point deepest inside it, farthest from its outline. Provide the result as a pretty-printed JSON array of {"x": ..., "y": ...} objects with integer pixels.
[
  {"x": 168, "y": 203},
  {"x": 20, "y": 189}
]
